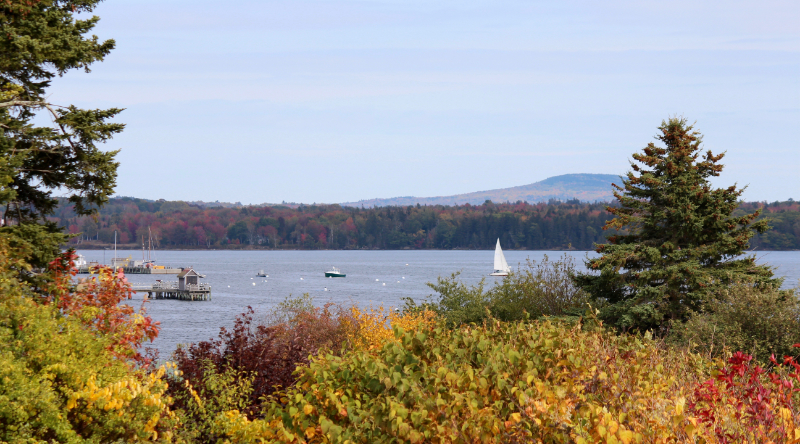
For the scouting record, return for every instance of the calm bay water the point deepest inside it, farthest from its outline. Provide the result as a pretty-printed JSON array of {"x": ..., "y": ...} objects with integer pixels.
[{"x": 373, "y": 278}]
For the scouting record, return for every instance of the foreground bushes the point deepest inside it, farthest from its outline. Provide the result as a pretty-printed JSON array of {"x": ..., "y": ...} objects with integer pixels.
[
  {"x": 524, "y": 382},
  {"x": 237, "y": 371},
  {"x": 70, "y": 369}
]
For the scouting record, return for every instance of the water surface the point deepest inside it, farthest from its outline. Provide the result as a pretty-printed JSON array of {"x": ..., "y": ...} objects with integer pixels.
[{"x": 373, "y": 278}]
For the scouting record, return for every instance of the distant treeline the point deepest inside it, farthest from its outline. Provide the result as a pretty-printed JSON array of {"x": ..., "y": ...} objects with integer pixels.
[{"x": 544, "y": 226}]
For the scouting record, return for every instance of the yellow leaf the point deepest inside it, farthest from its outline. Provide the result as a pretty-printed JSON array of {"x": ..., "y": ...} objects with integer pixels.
[
  {"x": 679, "y": 405},
  {"x": 516, "y": 417},
  {"x": 308, "y": 409},
  {"x": 626, "y": 436}
]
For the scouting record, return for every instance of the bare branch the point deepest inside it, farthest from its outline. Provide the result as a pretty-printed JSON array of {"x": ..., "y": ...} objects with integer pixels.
[
  {"x": 41, "y": 104},
  {"x": 32, "y": 103}
]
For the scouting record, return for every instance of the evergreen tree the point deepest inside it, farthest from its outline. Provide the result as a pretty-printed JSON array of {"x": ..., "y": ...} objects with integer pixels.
[
  {"x": 43, "y": 39},
  {"x": 678, "y": 242}
]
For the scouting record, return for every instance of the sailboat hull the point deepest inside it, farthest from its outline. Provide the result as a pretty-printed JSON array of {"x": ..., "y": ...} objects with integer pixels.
[
  {"x": 499, "y": 273},
  {"x": 334, "y": 275}
]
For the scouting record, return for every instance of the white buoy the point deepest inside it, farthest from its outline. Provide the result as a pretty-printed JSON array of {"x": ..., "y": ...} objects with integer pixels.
[
  {"x": 398, "y": 282},
  {"x": 384, "y": 284},
  {"x": 406, "y": 265},
  {"x": 301, "y": 279},
  {"x": 326, "y": 288},
  {"x": 376, "y": 280},
  {"x": 404, "y": 277},
  {"x": 251, "y": 279},
  {"x": 254, "y": 283},
  {"x": 229, "y": 286}
]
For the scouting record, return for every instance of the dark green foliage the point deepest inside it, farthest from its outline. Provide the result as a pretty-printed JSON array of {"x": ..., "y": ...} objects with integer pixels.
[
  {"x": 679, "y": 243},
  {"x": 784, "y": 221},
  {"x": 757, "y": 321},
  {"x": 544, "y": 288},
  {"x": 536, "y": 289},
  {"x": 41, "y": 40},
  {"x": 519, "y": 226}
]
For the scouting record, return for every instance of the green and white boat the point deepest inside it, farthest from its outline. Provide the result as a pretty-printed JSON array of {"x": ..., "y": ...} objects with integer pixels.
[{"x": 334, "y": 273}]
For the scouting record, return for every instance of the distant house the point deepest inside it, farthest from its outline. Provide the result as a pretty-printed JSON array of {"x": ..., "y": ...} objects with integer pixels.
[{"x": 188, "y": 278}]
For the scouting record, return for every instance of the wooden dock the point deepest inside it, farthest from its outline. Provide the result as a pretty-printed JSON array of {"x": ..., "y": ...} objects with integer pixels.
[
  {"x": 138, "y": 270},
  {"x": 170, "y": 290}
]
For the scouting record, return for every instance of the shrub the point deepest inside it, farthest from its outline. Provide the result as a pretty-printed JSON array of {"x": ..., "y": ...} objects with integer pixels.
[
  {"x": 744, "y": 403},
  {"x": 759, "y": 321},
  {"x": 67, "y": 372},
  {"x": 456, "y": 302},
  {"x": 98, "y": 303},
  {"x": 245, "y": 365},
  {"x": 542, "y": 288},
  {"x": 536, "y": 289},
  {"x": 268, "y": 355},
  {"x": 370, "y": 328},
  {"x": 214, "y": 392},
  {"x": 500, "y": 382}
]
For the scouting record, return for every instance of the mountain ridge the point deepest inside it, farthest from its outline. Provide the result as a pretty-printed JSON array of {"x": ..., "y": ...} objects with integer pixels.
[{"x": 582, "y": 186}]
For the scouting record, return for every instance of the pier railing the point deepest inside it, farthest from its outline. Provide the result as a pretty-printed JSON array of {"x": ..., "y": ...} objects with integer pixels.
[{"x": 169, "y": 286}]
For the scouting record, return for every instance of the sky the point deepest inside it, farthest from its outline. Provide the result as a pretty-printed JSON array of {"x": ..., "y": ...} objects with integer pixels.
[{"x": 334, "y": 101}]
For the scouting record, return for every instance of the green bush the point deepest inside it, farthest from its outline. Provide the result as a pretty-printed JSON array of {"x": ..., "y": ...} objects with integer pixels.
[
  {"x": 535, "y": 289},
  {"x": 758, "y": 321},
  {"x": 215, "y": 392},
  {"x": 542, "y": 288}
]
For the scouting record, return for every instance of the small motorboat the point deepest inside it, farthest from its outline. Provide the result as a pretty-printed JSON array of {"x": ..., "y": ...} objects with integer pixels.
[
  {"x": 334, "y": 273},
  {"x": 261, "y": 274}
]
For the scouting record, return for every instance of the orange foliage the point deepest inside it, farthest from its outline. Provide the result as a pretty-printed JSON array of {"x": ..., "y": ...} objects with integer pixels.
[
  {"x": 96, "y": 301},
  {"x": 370, "y": 328}
]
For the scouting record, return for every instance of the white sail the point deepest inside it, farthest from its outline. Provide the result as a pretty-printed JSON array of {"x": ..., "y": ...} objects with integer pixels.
[{"x": 500, "y": 263}]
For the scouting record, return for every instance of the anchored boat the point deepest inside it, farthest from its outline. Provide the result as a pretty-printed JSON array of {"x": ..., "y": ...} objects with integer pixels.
[
  {"x": 334, "y": 273},
  {"x": 261, "y": 274},
  {"x": 501, "y": 267}
]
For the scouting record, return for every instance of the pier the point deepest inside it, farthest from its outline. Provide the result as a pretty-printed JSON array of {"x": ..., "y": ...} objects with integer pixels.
[
  {"x": 138, "y": 270},
  {"x": 171, "y": 290},
  {"x": 188, "y": 288}
]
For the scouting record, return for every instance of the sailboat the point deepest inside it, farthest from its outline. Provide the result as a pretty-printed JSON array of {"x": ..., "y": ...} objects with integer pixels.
[{"x": 501, "y": 267}]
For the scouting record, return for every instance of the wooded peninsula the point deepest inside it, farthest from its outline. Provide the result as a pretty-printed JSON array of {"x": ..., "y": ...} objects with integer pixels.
[{"x": 543, "y": 226}]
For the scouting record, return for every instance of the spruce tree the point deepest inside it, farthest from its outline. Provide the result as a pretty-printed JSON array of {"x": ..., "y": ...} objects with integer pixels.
[
  {"x": 43, "y": 39},
  {"x": 677, "y": 241}
]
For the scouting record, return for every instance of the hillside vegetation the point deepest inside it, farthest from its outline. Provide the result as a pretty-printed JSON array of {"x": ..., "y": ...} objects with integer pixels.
[{"x": 544, "y": 226}]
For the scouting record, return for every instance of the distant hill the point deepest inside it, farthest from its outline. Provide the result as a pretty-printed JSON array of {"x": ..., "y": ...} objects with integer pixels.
[{"x": 584, "y": 187}]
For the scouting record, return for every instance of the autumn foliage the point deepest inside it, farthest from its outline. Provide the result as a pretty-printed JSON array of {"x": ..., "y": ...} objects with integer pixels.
[
  {"x": 523, "y": 382},
  {"x": 70, "y": 370},
  {"x": 98, "y": 303},
  {"x": 267, "y": 354},
  {"x": 746, "y": 403}
]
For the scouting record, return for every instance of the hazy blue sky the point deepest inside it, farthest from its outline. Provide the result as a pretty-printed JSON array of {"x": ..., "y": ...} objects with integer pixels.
[{"x": 332, "y": 101}]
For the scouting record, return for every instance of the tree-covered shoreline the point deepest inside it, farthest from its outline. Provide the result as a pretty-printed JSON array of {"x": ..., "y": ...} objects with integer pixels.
[{"x": 570, "y": 225}]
